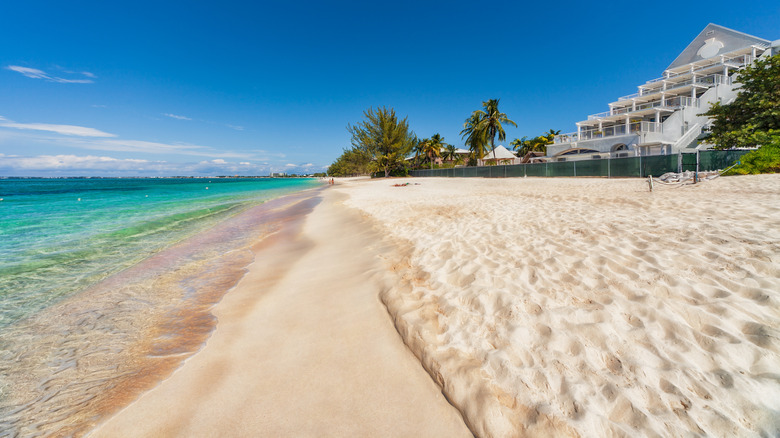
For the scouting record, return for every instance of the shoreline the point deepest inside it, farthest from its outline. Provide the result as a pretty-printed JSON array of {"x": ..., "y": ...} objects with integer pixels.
[
  {"x": 303, "y": 345},
  {"x": 94, "y": 352}
]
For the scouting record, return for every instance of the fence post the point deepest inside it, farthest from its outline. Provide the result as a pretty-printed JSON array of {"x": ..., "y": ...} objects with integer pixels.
[
  {"x": 679, "y": 161},
  {"x": 640, "y": 166},
  {"x": 575, "y": 168},
  {"x": 609, "y": 166}
]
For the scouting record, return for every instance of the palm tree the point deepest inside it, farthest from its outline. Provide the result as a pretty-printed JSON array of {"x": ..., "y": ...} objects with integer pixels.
[
  {"x": 418, "y": 151},
  {"x": 432, "y": 148},
  {"x": 450, "y": 153},
  {"x": 520, "y": 144},
  {"x": 491, "y": 123},
  {"x": 473, "y": 136}
]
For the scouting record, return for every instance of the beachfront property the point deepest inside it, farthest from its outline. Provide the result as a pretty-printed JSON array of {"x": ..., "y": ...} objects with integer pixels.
[{"x": 662, "y": 117}]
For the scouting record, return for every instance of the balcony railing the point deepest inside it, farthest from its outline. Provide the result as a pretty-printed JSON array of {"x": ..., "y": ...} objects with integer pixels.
[
  {"x": 734, "y": 61},
  {"x": 609, "y": 131},
  {"x": 705, "y": 81},
  {"x": 671, "y": 103}
]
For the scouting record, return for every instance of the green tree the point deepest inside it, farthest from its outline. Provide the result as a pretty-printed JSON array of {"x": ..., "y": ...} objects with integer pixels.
[
  {"x": 385, "y": 138},
  {"x": 474, "y": 137},
  {"x": 352, "y": 162},
  {"x": 521, "y": 145},
  {"x": 450, "y": 153},
  {"x": 492, "y": 122},
  {"x": 536, "y": 144},
  {"x": 431, "y": 148},
  {"x": 755, "y": 111}
]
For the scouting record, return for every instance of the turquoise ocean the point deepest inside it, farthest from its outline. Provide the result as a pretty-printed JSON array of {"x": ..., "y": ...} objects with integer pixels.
[{"x": 88, "y": 267}]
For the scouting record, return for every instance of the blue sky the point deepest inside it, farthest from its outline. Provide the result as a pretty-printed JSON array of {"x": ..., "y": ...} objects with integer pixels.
[{"x": 203, "y": 88}]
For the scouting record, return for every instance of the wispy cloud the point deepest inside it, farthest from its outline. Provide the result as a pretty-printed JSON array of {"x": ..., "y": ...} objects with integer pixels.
[
  {"x": 174, "y": 116},
  {"x": 236, "y": 127},
  {"x": 35, "y": 73},
  {"x": 103, "y": 165},
  {"x": 80, "y": 131},
  {"x": 85, "y": 138}
]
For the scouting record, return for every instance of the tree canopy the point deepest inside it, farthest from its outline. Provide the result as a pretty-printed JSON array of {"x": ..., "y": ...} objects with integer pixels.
[
  {"x": 483, "y": 126},
  {"x": 753, "y": 118},
  {"x": 536, "y": 144},
  {"x": 384, "y": 137},
  {"x": 473, "y": 136},
  {"x": 352, "y": 162}
]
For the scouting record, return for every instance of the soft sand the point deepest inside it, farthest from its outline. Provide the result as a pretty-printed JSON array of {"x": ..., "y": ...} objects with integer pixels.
[
  {"x": 303, "y": 347},
  {"x": 566, "y": 307}
]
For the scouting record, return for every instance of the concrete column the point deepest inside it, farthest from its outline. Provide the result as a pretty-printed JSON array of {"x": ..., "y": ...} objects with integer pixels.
[
  {"x": 579, "y": 132},
  {"x": 611, "y": 110},
  {"x": 628, "y": 124},
  {"x": 633, "y": 104},
  {"x": 657, "y": 120}
]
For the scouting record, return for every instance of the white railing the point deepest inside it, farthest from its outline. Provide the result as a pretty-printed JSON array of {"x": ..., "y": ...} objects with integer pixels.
[
  {"x": 670, "y": 103},
  {"x": 565, "y": 138},
  {"x": 734, "y": 61},
  {"x": 687, "y": 137},
  {"x": 639, "y": 127},
  {"x": 705, "y": 81}
]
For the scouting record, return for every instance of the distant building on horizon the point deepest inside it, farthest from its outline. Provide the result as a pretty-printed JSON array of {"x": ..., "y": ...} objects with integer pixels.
[{"x": 662, "y": 116}]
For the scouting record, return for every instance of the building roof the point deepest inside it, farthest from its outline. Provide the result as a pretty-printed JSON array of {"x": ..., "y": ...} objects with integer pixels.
[
  {"x": 501, "y": 154},
  {"x": 715, "y": 40}
]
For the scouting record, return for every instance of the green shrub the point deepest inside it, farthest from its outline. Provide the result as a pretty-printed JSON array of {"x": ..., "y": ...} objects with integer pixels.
[{"x": 765, "y": 159}]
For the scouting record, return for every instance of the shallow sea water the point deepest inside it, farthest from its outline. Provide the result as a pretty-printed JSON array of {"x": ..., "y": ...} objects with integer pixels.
[{"x": 106, "y": 286}]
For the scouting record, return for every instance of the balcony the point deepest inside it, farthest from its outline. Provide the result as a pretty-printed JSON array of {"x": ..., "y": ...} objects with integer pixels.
[
  {"x": 609, "y": 131},
  {"x": 737, "y": 61},
  {"x": 672, "y": 103},
  {"x": 672, "y": 87}
]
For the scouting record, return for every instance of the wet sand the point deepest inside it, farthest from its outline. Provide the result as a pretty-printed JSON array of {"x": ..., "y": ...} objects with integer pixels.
[{"x": 303, "y": 347}]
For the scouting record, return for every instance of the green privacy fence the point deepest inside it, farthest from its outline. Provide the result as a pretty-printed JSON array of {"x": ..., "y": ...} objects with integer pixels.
[{"x": 654, "y": 165}]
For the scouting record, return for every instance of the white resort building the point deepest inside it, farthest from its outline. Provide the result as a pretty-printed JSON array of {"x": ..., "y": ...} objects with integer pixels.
[{"x": 662, "y": 116}]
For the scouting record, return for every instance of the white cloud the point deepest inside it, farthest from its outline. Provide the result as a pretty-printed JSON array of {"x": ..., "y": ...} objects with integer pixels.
[
  {"x": 68, "y": 162},
  {"x": 243, "y": 163},
  {"x": 236, "y": 127},
  {"x": 290, "y": 165},
  {"x": 89, "y": 75},
  {"x": 174, "y": 116},
  {"x": 75, "y": 165},
  {"x": 35, "y": 73},
  {"x": 80, "y": 131}
]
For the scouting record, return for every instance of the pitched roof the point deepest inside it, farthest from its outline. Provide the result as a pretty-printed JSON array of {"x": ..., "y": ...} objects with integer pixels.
[
  {"x": 714, "y": 40},
  {"x": 501, "y": 154}
]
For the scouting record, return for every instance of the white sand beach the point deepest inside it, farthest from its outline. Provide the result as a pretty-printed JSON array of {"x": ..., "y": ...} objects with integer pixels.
[
  {"x": 539, "y": 307},
  {"x": 591, "y": 307}
]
